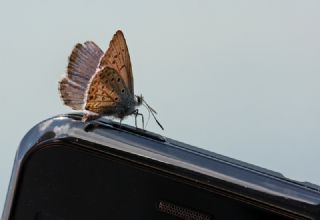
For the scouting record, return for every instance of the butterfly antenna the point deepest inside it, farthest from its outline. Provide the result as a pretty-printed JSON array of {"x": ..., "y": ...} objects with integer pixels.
[
  {"x": 153, "y": 112},
  {"x": 148, "y": 114},
  {"x": 149, "y": 107}
]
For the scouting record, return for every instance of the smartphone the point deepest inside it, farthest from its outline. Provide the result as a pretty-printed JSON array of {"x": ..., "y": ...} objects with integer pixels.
[{"x": 66, "y": 169}]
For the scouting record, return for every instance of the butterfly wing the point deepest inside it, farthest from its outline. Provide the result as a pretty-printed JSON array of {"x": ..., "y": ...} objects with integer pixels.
[
  {"x": 118, "y": 58},
  {"x": 106, "y": 93},
  {"x": 83, "y": 63}
]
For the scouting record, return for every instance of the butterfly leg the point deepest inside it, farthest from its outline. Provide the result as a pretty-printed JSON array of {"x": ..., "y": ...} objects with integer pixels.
[
  {"x": 142, "y": 118},
  {"x": 135, "y": 120},
  {"x": 136, "y": 113},
  {"x": 135, "y": 117}
]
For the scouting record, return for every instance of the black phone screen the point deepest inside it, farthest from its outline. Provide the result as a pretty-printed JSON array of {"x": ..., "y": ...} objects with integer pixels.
[{"x": 65, "y": 181}]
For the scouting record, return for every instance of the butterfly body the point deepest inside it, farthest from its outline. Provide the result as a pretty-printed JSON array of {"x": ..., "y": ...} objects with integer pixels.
[{"x": 101, "y": 84}]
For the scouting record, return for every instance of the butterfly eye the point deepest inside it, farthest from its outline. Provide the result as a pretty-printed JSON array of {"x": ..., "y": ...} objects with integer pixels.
[
  {"x": 122, "y": 90},
  {"x": 116, "y": 99},
  {"x": 118, "y": 79}
]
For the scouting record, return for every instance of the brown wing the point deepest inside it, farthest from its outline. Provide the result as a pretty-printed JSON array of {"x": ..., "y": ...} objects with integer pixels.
[
  {"x": 106, "y": 90},
  {"x": 83, "y": 62},
  {"x": 118, "y": 58}
]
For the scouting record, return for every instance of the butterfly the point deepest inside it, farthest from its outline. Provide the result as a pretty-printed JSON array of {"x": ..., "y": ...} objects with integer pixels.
[{"x": 101, "y": 84}]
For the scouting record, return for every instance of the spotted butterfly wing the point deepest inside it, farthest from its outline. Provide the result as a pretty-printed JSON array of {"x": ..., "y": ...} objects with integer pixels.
[
  {"x": 107, "y": 94},
  {"x": 118, "y": 58},
  {"x": 110, "y": 90}
]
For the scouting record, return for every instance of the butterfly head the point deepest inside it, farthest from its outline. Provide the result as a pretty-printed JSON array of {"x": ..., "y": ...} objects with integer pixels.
[{"x": 139, "y": 100}]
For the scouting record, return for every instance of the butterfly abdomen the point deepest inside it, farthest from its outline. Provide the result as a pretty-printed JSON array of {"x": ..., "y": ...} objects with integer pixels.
[{"x": 83, "y": 62}]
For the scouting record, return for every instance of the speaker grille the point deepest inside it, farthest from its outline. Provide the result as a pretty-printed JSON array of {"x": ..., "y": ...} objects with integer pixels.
[{"x": 181, "y": 212}]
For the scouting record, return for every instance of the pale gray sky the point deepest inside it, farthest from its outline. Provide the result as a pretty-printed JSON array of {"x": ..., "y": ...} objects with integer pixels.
[{"x": 240, "y": 78}]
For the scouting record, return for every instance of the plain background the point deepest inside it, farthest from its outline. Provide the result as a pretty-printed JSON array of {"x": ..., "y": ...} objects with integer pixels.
[{"x": 240, "y": 78}]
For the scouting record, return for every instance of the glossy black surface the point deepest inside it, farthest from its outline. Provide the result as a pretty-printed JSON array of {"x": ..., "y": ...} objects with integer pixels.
[{"x": 222, "y": 185}]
